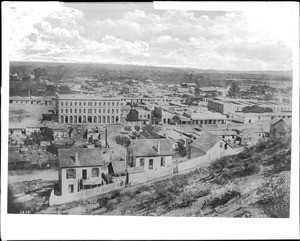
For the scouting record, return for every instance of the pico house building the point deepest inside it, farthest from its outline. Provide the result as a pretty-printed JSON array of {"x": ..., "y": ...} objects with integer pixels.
[{"x": 85, "y": 109}]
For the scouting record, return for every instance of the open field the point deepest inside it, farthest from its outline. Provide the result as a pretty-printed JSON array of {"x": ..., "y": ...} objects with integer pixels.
[{"x": 21, "y": 115}]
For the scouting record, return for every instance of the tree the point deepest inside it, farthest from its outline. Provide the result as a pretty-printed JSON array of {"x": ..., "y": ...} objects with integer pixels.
[
  {"x": 234, "y": 89},
  {"x": 127, "y": 128},
  {"x": 123, "y": 141},
  {"x": 197, "y": 92},
  {"x": 176, "y": 119},
  {"x": 137, "y": 128},
  {"x": 133, "y": 115},
  {"x": 181, "y": 149}
]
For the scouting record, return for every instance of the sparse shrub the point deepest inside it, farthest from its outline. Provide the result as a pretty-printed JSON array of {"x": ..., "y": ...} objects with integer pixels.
[
  {"x": 143, "y": 188},
  {"x": 200, "y": 193},
  {"x": 244, "y": 155},
  {"x": 127, "y": 128},
  {"x": 274, "y": 197},
  {"x": 137, "y": 128},
  {"x": 261, "y": 146},
  {"x": 115, "y": 194},
  {"x": 223, "y": 199},
  {"x": 184, "y": 200}
]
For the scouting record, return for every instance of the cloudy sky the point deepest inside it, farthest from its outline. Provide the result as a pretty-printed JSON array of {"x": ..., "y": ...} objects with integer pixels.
[{"x": 135, "y": 33}]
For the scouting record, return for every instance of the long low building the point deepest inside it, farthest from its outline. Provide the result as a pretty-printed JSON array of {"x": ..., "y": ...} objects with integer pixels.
[
  {"x": 247, "y": 118},
  {"x": 32, "y": 100}
]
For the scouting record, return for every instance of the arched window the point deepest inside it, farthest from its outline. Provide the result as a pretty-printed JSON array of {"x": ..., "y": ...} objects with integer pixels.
[
  {"x": 99, "y": 119},
  {"x": 71, "y": 119},
  {"x": 103, "y": 119},
  {"x": 75, "y": 119},
  {"x": 112, "y": 119},
  {"x": 61, "y": 119},
  {"x": 66, "y": 119},
  {"x": 95, "y": 119},
  {"x": 108, "y": 119}
]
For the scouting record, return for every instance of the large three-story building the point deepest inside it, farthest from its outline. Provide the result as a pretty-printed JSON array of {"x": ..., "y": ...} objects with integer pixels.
[{"x": 85, "y": 109}]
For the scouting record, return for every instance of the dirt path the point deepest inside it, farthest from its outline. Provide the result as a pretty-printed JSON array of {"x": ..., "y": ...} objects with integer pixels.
[{"x": 26, "y": 175}]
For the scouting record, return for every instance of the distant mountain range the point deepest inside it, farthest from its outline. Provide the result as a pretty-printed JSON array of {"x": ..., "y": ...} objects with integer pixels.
[{"x": 134, "y": 67}]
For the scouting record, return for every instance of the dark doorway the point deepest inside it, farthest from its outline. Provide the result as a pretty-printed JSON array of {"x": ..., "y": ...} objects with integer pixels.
[
  {"x": 90, "y": 119},
  {"x": 84, "y": 174}
]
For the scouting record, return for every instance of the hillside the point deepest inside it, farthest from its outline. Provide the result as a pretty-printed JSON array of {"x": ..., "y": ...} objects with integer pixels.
[{"x": 254, "y": 183}]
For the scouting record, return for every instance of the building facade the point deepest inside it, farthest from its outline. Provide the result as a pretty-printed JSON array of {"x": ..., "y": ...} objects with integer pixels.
[{"x": 88, "y": 109}]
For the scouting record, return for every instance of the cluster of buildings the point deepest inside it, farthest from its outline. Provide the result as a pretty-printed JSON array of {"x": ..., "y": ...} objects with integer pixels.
[{"x": 214, "y": 128}]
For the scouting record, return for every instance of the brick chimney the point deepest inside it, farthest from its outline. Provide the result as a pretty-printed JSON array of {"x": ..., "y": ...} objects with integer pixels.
[{"x": 158, "y": 147}]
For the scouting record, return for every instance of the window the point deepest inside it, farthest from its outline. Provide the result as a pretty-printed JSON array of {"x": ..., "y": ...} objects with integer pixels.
[
  {"x": 113, "y": 104},
  {"x": 108, "y": 103},
  {"x": 117, "y": 103},
  {"x": 75, "y": 111},
  {"x": 75, "y": 103},
  {"x": 99, "y": 103},
  {"x": 162, "y": 162},
  {"x": 66, "y": 103},
  {"x": 62, "y": 103},
  {"x": 71, "y": 103},
  {"x": 67, "y": 111},
  {"x": 150, "y": 164},
  {"x": 79, "y": 103},
  {"x": 70, "y": 110},
  {"x": 221, "y": 144},
  {"x": 79, "y": 111},
  {"x": 142, "y": 162},
  {"x": 90, "y": 111},
  {"x": 100, "y": 111},
  {"x": 104, "y": 111},
  {"x": 95, "y": 103},
  {"x": 95, "y": 111},
  {"x": 225, "y": 147},
  {"x": 71, "y": 173},
  {"x": 62, "y": 110},
  {"x": 83, "y": 110},
  {"x": 108, "y": 111},
  {"x": 103, "y": 103},
  {"x": 117, "y": 111},
  {"x": 113, "y": 111},
  {"x": 71, "y": 188},
  {"x": 95, "y": 172},
  {"x": 84, "y": 103}
]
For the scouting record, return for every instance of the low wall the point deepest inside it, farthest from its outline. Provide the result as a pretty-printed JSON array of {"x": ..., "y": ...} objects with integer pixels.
[
  {"x": 57, "y": 200},
  {"x": 191, "y": 163},
  {"x": 151, "y": 175}
]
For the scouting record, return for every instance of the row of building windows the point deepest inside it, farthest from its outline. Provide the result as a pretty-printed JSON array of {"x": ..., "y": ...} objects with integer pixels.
[
  {"x": 89, "y": 103},
  {"x": 71, "y": 173},
  {"x": 89, "y": 119},
  {"x": 89, "y": 111},
  {"x": 142, "y": 163}
]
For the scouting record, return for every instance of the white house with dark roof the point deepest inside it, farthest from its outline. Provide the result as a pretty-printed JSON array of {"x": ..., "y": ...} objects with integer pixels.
[
  {"x": 211, "y": 146},
  {"x": 80, "y": 169},
  {"x": 153, "y": 155}
]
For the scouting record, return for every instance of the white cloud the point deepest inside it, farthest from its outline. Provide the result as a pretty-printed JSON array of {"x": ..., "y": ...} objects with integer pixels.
[{"x": 235, "y": 40}]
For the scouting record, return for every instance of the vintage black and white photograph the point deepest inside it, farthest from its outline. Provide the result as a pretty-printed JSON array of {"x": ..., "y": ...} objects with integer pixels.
[{"x": 121, "y": 109}]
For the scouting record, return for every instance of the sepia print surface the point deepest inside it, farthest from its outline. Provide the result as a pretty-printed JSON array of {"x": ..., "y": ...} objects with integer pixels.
[{"x": 120, "y": 109}]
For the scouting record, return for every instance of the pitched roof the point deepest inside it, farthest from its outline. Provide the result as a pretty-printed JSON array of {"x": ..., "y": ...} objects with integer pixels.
[
  {"x": 147, "y": 147},
  {"x": 206, "y": 141},
  {"x": 86, "y": 157},
  {"x": 118, "y": 166},
  {"x": 287, "y": 121}
]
